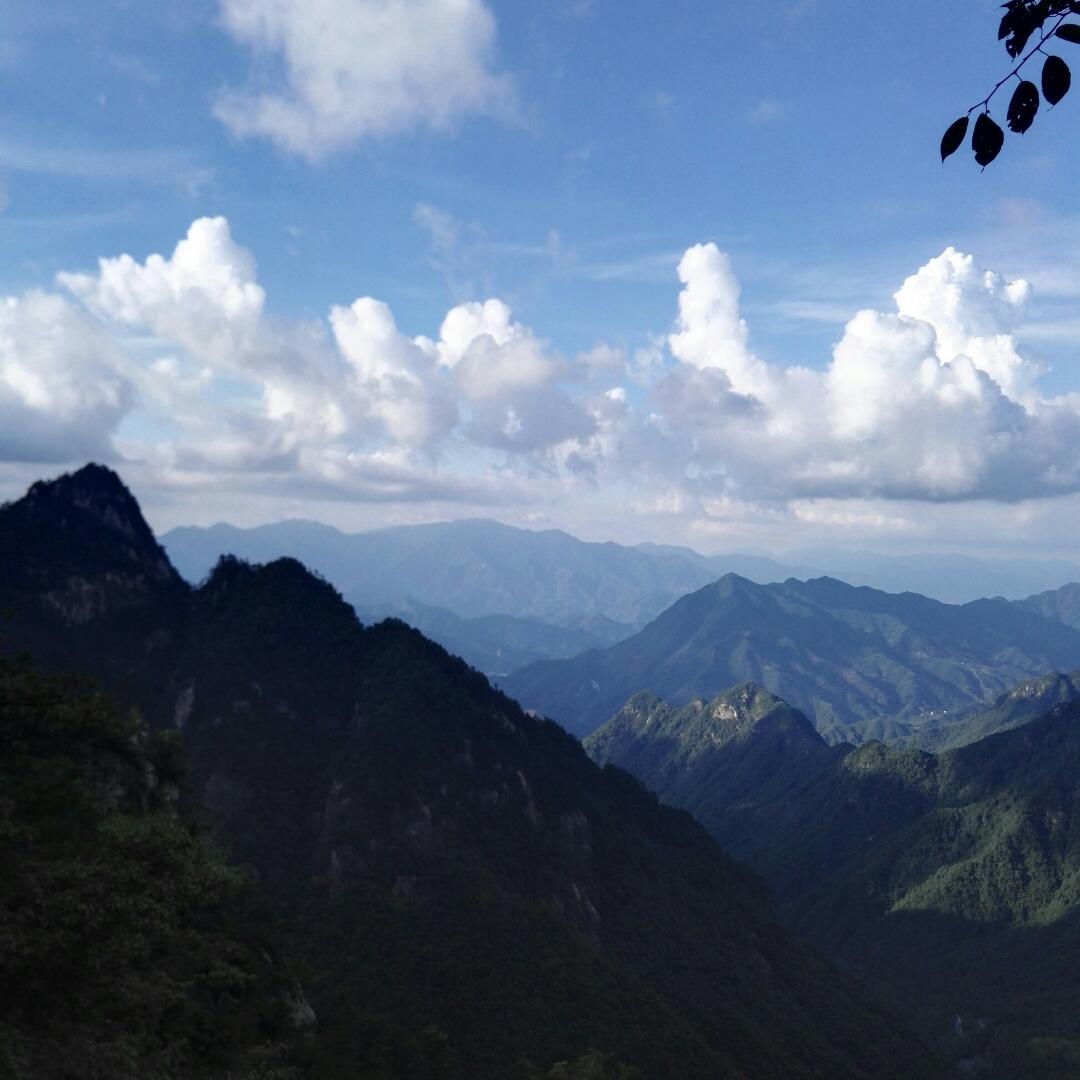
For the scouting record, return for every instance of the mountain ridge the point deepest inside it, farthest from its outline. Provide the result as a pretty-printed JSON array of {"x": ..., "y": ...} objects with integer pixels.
[
  {"x": 950, "y": 881},
  {"x": 860, "y": 662},
  {"x": 445, "y": 859}
]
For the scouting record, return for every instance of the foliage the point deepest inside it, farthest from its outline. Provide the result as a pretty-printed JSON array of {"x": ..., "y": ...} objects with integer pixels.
[
  {"x": 134, "y": 949},
  {"x": 950, "y": 882},
  {"x": 1023, "y": 21},
  {"x": 855, "y": 660}
]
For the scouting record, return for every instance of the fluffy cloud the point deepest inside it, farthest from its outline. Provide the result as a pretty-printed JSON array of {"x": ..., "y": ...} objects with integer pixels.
[
  {"x": 62, "y": 389},
  {"x": 397, "y": 377},
  {"x": 176, "y": 362},
  {"x": 710, "y": 332},
  {"x": 930, "y": 402},
  {"x": 232, "y": 388},
  {"x": 359, "y": 68},
  {"x": 204, "y": 296}
]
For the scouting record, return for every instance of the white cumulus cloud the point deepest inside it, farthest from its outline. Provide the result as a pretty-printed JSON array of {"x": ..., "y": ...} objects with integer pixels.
[
  {"x": 178, "y": 362},
  {"x": 347, "y": 70},
  {"x": 62, "y": 390}
]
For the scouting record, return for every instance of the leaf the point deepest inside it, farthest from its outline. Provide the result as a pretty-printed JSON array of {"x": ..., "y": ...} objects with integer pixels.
[
  {"x": 954, "y": 137},
  {"x": 1056, "y": 79},
  {"x": 1069, "y": 32},
  {"x": 1023, "y": 107},
  {"x": 986, "y": 140},
  {"x": 1015, "y": 45}
]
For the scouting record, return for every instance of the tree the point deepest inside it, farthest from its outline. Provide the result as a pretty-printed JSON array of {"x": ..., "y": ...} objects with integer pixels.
[{"x": 1023, "y": 21}]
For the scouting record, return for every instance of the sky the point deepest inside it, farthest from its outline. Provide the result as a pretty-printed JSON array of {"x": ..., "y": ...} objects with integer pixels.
[{"x": 689, "y": 272}]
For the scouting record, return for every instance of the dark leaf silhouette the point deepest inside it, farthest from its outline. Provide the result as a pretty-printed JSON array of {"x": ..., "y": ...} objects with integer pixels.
[
  {"x": 986, "y": 140},
  {"x": 1015, "y": 44},
  {"x": 1056, "y": 79},
  {"x": 1023, "y": 107},
  {"x": 1008, "y": 20},
  {"x": 1070, "y": 32},
  {"x": 954, "y": 137}
]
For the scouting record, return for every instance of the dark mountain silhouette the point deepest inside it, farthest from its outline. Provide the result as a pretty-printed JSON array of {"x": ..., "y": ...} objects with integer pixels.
[
  {"x": 859, "y": 662},
  {"x": 458, "y": 876}
]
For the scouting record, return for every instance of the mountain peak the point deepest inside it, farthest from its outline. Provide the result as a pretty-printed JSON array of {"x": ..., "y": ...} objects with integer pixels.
[
  {"x": 94, "y": 489},
  {"x": 745, "y": 705},
  {"x": 83, "y": 546},
  {"x": 683, "y": 734}
]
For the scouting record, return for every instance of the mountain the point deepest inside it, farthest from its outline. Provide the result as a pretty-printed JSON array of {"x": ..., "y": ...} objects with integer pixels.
[
  {"x": 953, "y": 579},
  {"x": 462, "y": 883},
  {"x": 1016, "y": 707},
  {"x": 498, "y": 644},
  {"x": 859, "y": 662},
  {"x": 733, "y": 762},
  {"x": 472, "y": 568},
  {"x": 951, "y": 883},
  {"x": 1061, "y": 604},
  {"x": 129, "y": 949},
  {"x": 760, "y": 568}
]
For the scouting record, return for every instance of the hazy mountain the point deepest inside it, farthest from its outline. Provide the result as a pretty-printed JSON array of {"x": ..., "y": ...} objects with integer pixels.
[
  {"x": 1061, "y": 604},
  {"x": 472, "y": 568},
  {"x": 497, "y": 644},
  {"x": 950, "y": 882},
  {"x": 954, "y": 579},
  {"x": 858, "y": 661},
  {"x": 461, "y": 880},
  {"x": 759, "y": 568}
]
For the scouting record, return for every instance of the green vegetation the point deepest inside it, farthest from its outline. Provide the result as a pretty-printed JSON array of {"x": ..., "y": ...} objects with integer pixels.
[
  {"x": 860, "y": 663},
  {"x": 949, "y": 883},
  {"x": 127, "y": 947},
  {"x": 1016, "y": 707}
]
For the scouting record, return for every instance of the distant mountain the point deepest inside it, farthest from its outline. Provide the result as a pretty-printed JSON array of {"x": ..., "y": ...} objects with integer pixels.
[
  {"x": 465, "y": 886},
  {"x": 759, "y": 568},
  {"x": 950, "y": 883},
  {"x": 498, "y": 644},
  {"x": 1061, "y": 604},
  {"x": 472, "y": 568},
  {"x": 861, "y": 663},
  {"x": 954, "y": 579}
]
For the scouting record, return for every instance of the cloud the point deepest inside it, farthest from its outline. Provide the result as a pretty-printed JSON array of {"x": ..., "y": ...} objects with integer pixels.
[
  {"x": 932, "y": 401},
  {"x": 710, "y": 333},
  {"x": 62, "y": 393},
  {"x": 148, "y": 167},
  {"x": 348, "y": 70},
  {"x": 207, "y": 283},
  {"x": 178, "y": 363},
  {"x": 241, "y": 390}
]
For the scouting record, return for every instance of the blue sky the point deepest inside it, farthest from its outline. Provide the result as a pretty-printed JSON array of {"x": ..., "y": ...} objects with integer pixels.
[{"x": 560, "y": 157}]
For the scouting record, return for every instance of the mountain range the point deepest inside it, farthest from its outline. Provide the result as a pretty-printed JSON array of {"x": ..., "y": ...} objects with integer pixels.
[
  {"x": 502, "y": 597},
  {"x": 456, "y": 877},
  {"x": 950, "y": 882},
  {"x": 861, "y": 663}
]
